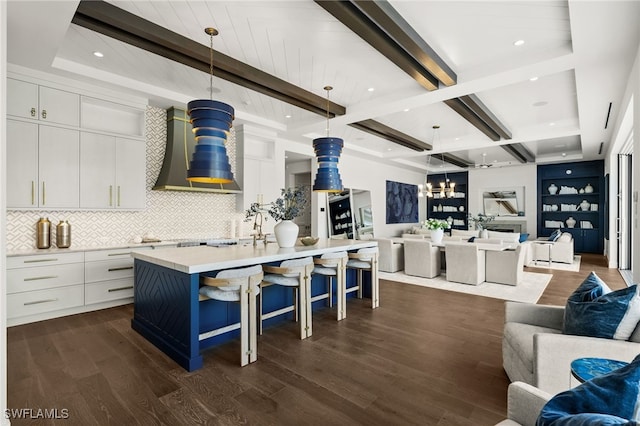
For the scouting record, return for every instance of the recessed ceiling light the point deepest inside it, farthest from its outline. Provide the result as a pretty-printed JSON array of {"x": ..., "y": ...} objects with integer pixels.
[
  {"x": 457, "y": 139},
  {"x": 371, "y": 89},
  {"x": 518, "y": 42},
  {"x": 389, "y": 149},
  {"x": 540, "y": 103},
  {"x": 552, "y": 124},
  {"x": 287, "y": 116},
  {"x": 406, "y": 110},
  {"x": 98, "y": 54},
  {"x": 564, "y": 154},
  {"x": 533, "y": 79}
]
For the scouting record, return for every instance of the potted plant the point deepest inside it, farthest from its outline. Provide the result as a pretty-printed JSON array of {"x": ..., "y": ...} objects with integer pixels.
[
  {"x": 283, "y": 210},
  {"x": 437, "y": 227},
  {"x": 480, "y": 222}
]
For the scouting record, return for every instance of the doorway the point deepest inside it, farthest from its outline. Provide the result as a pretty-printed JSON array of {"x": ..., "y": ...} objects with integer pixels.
[{"x": 298, "y": 174}]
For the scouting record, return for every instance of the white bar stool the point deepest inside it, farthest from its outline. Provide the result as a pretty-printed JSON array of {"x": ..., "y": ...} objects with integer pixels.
[
  {"x": 294, "y": 273},
  {"x": 333, "y": 265},
  {"x": 236, "y": 285},
  {"x": 365, "y": 259}
]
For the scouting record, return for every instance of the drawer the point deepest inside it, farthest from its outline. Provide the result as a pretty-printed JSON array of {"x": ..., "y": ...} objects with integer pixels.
[
  {"x": 108, "y": 270},
  {"x": 97, "y": 255},
  {"x": 36, "y": 302},
  {"x": 44, "y": 277},
  {"x": 108, "y": 290},
  {"x": 44, "y": 260}
]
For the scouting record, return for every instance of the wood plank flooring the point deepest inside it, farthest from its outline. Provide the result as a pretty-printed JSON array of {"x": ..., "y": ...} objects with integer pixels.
[{"x": 425, "y": 357}]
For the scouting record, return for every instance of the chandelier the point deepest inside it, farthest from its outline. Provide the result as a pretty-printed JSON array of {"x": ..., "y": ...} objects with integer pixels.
[
  {"x": 447, "y": 188},
  {"x": 328, "y": 151},
  {"x": 211, "y": 121}
]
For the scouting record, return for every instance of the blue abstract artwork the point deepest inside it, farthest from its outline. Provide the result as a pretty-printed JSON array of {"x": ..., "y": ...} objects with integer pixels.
[{"x": 402, "y": 202}]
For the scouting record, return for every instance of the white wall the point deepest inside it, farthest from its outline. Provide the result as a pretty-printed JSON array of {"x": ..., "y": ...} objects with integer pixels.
[{"x": 3, "y": 204}]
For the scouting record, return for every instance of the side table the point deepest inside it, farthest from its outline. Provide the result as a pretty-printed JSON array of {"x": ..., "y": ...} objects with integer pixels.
[
  {"x": 584, "y": 369},
  {"x": 549, "y": 245}
]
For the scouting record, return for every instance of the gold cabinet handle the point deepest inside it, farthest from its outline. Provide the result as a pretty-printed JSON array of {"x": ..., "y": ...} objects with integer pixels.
[
  {"x": 122, "y": 268},
  {"x": 40, "y": 301},
  {"x": 41, "y": 260},
  {"x": 33, "y": 192},
  {"x": 110, "y": 195},
  {"x": 118, "y": 195},
  {"x": 44, "y": 277},
  {"x": 120, "y": 289},
  {"x": 33, "y": 112},
  {"x": 43, "y": 194},
  {"x": 120, "y": 254},
  {"x": 44, "y": 113}
]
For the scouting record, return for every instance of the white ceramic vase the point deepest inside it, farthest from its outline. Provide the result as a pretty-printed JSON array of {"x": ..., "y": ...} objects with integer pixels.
[
  {"x": 571, "y": 222},
  {"x": 436, "y": 235},
  {"x": 286, "y": 233},
  {"x": 553, "y": 189},
  {"x": 484, "y": 234}
]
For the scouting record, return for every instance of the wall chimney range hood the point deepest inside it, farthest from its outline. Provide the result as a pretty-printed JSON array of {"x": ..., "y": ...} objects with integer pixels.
[{"x": 181, "y": 144}]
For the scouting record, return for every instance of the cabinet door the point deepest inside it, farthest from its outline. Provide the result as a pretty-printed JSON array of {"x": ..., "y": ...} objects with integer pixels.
[
  {"x": 22, "y": 99},
  {"x": 22, "y": 164},
  {"x": 97, "y": 170},
  {"x": 58, "y": 106},
  {"x": 58, "y": 165},
  {"x": 130, "y": 181}
]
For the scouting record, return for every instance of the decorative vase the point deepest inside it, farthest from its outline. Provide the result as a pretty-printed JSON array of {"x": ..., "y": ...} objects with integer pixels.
[
  {"x": 436, "y": 235},
  {"x": 571, "y": 222},
  {"x": 286, "y": 233},
  {"x": 553, "y": 189},
  {"x": 588, "y": 189},
  {"x": 484, "y": 233},
  {"x": 585, "y": 205}
]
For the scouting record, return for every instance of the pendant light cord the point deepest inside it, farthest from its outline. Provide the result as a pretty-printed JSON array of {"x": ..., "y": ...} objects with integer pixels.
[
  {"x": 211, "y": 66},
  {"x": 328, "y": 89}
]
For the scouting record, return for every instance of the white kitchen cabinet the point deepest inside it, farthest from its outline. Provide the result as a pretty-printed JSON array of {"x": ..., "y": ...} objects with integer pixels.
[
  {"x": 112, "y": 172},
  {"x": 108, "y": 275},
  {"x": 29, "y": 100},
  {"x": 42, "y": 166}
]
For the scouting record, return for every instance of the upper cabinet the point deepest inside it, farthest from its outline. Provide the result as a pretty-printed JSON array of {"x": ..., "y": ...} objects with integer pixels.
[
  {"x": 46, "y": 104},
  {"x": 54, "y": 163},
  {"x": 453, "y": 207},
  {"x": 571, "y": 198}
]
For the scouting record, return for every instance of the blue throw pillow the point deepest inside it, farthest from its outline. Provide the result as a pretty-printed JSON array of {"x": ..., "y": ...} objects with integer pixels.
[
  {"x": 591, "y": 288},
  {"x": 610, "y": 399},
  {"x": 555, "y": 235},
  {"x": 523, "y": 238},
  {"x": 611, "y": 316}
]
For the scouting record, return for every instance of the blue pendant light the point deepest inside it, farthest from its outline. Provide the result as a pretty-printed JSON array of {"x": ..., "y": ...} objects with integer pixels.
[
  {"x": 328, "y": 151},
  {"x": 211, "y": 121}
]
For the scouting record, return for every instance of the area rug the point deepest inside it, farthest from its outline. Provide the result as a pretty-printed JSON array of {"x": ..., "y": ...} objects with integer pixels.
[
  {"x": 543, "y": 264},
  {"x": 529, "y": 290}
]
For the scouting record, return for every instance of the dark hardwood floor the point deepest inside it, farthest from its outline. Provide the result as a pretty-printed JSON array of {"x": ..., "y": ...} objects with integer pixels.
[{"x": 425, "y": 357}]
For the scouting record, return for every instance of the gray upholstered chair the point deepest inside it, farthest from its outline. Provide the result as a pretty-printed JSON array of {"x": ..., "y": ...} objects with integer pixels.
[
  {"x": 237, "y": 285},
  {"x": 505, "y": 267},
  {"x": 524, "y": 404},
  {"x": 391, "y": 255},
  {"x": 421, "y": 258},
  {"x": 465, "y": 263}
]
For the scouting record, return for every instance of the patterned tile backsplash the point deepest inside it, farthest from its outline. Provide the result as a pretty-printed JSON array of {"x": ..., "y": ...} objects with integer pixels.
[{"x": 169, "y": 214}]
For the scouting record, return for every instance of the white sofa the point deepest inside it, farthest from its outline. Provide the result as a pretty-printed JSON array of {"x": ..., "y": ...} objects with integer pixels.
[
  {"x": 390, "y": 255},
  {"x": 535, "y": 351},
  {"x": 561, "y": 250},
  {"x": 524, "y": 404}
]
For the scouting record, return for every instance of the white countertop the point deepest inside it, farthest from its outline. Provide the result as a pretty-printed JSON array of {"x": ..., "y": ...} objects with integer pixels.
[
  {"x": 192, "y": 260},
  {"x": 77, "y": 248}
]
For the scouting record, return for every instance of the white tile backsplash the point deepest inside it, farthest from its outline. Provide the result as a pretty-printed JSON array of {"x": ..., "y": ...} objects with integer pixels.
[{"x": 169, "y": 214}]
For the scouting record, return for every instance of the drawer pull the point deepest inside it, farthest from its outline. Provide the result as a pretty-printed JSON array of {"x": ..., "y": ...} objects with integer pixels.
[
  {"x": 45, "y": 277},
  {"x": 40, "y": 301},
  {"x": 120, "y": 289},
  {"x": 119, "y": 254},
  {"x": 40, "y": 260},
  {"x": 122, "y": 268}
]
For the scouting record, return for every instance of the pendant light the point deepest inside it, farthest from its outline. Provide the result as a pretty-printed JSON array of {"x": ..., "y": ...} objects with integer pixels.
[
  {"x": 328, "y": 151},
  {"x": 447, "y": 188},
  {"x": 211, "y": 121},
  {"x": 426, "y": 189}
]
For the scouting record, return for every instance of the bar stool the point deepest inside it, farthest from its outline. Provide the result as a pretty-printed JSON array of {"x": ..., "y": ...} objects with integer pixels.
[
  {"x": 365, "y": 259},
  {"x": 294, "y": 273},
  {"x": 333, "y": 265},
  {"x": 236, "y": 285}
]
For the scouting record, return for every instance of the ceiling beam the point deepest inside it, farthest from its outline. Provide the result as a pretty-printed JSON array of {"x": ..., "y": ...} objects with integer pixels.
[
  {"x": 119, "y": 24},
  {"x": 461, "y": 108},
  {"x": 519, "y": 152},
  {"x": 482, "y": 111},
  {"x": 378, "y": 129}
]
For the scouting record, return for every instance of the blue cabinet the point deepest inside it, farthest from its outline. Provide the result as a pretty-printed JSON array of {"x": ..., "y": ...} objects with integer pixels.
[
  {"x": 454, "y": 208},
  {"x": 571, "y": 198}
]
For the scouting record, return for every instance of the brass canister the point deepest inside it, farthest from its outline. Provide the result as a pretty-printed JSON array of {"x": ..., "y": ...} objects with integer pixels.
[
  {"x": 43, "y": 233},
  {"x": 63, "y": 234}
]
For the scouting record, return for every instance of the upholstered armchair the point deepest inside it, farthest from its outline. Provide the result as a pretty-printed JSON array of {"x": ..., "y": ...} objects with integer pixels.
[
  {"x": 524, "y": 403},
  {"x": 505, "y": 267},
  {"x": 390, "y": 256},
  {"x": 535, "y": 351},
  {"x": 465, "y": 263},
  {"x": 421, "y": 258},
  {"x": 561, "y": 250}
]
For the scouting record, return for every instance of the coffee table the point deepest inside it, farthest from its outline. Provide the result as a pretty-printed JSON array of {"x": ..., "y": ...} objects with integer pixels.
[{"x": 585, "y": 369}]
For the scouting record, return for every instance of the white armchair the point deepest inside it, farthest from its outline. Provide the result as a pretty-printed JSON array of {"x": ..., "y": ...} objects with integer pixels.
[
  {"x": 390, "y": 256},
  {"x": 524, "y": 404},
  {"x": 561, "y": 250},
  {"x": 421, "y": 258},
  {"x": 535, "y": 351},
  {"x": 505, "y": 267},
  {"x": 465, "y": 263}
]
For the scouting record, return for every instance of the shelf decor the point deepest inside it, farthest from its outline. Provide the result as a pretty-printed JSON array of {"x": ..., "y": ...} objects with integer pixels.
[
  {"x": 211, "y": 121},
  {"x": 328, "y": 152}
]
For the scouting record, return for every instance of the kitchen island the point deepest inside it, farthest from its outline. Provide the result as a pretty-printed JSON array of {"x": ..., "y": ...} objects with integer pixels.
[{"x": 167, "y": 311}]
